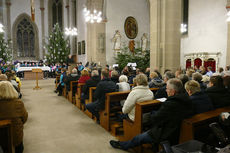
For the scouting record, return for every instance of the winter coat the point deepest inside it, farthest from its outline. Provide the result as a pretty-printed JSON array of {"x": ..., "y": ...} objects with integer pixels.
[
  {"x": 167, "y": 120},
  {"x": 83, "y": 79},
  {"x": 220, "y": 97},
  {"x": 161, "y": 93},
  {"x": 69, "y": 78},
  {"x": 15, "y": 111},
  {"x": 103, "y": 87},
  {"x": 156, "y": 83},
  {"x": 138, "y": 94},
  {"x": 201, "y": 102},
  {"x": 92, "y": 82}
]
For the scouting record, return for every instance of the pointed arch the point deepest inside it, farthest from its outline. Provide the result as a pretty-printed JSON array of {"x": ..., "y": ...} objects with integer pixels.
[
  {"x": 25, "y": 38},
  {"x": 58, "y": 17}
]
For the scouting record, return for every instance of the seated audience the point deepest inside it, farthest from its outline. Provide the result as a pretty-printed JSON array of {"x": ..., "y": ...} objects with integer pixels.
[
  {"x": 12, "y": 108},
  {"x": 184, "y": 78},
  {"x": 84, "y": 76},
  {"x": 92, "y": 82},
  {"x": 161, "y": 93},
  {"x": 189, "y": 73},
  {"x": 138, "y": 94},
  {"x": 198, "y": 77},
  {"x": 209, "y": 73},
  {"x": 218, "y": 94},
  {"x": 103, "y": 87},
  {"x": 155, "y": 81},
  {"x": 221, "y": 71},
  {"x": 115, "y": 76},
  {"x": 177, "y": 73},
  {"x": 71, "y": 77},
  {"x": 123, "y": 85},
  {"x": 166, "y": 121},
  {"x": 202, "y": 70},
  {"x": 61, "y": 82},
  {"x": 226, "y": 80},
  {"x": 200, "y": 100}
]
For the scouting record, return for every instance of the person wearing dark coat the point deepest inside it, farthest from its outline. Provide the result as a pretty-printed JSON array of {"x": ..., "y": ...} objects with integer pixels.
[
  {"x": 200, "y": 100},
  {"x": 161, "y": 93},
  {"x": 103, "y": 87},
  {"x": 198, "y": 77},
  {"x": 218, "y": 94},
  {"x": 166, "y": 121},
  {"x": 115, "y": 76},
  {"x": 71, "y": 77},
  {"x": 92, "y": 82}
]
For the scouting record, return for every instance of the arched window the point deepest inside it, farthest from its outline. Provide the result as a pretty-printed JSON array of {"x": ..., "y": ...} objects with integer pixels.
[
  {"x": 210, "y": 63},
  {"x": 197, "y": 62},
  {"x": 188, "y": 63},
  {"x": 25, "y": 39},
  {"x": 57, "y": 12}
]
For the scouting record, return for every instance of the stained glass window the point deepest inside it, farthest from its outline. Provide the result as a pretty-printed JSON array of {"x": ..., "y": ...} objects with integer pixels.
[
  {"x": 25, "y": 39},
  {"x": 57, "y": 12}
]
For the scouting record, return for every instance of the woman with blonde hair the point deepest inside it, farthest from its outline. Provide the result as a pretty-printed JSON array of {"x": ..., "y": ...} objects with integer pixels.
[
  {"x": 84, "y": 76},
  {"x": 13, "y": 108},
  {"x": 138, "y": 94}
]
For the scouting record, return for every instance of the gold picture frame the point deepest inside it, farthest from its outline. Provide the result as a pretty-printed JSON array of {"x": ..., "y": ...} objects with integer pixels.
[{"x": 131, "y": 27}]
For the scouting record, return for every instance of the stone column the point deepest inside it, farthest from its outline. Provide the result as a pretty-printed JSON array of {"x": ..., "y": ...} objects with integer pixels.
[
  {"x": 228, "y": 39},
  {"x": 8, "y": 4},
  {"x": 42, "y": 8},
  {"x": 165, "y": 21},
  {"x": 67, "y": 10},
  {"x": 94, "y": 31}
]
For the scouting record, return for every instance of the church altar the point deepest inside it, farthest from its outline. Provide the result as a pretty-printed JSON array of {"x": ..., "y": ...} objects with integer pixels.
[{"x": 29, "y": 75}]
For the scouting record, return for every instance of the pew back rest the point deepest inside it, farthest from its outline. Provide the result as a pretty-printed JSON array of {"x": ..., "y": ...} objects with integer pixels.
[
  {"x": 91, "y": 94},
  {"x": 6, "y": 139},
  {"x": 73, "y": 85},
  {"x": 190, "y": 125},
  {"x": 79, "y": 89}
]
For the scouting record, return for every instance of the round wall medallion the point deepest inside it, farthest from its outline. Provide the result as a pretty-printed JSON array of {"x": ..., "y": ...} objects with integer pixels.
[{"x": 131, "y": 27}]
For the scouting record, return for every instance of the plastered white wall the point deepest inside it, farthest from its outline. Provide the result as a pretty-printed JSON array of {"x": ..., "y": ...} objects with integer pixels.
[
  {"x": 117, "y": 12},
  {"x": 207, "y": 29}
]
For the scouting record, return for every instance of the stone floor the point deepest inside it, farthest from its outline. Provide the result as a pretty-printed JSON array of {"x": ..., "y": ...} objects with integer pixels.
[{"x": 57, "y": 126}]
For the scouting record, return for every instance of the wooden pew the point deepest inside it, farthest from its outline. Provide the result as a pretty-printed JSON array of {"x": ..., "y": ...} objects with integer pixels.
[
  {"x": 190, "y": 126},
  {"x": 133, "y": 128},
  {"x": 6, "y": 139},
  {"x": 78, "y": 95},
  {"x": 113, "y": 97},
  {"x": 90, "y": 100},
  {"x": 71, "y": 92}
]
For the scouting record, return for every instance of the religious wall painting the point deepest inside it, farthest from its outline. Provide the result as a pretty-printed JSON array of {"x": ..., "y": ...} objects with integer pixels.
[
  {"x": 131, "y": 27},
  {"x": 83, "y": 47},
  {"x": 79, "y": 48},
  {"x": 101, "y": 42}
]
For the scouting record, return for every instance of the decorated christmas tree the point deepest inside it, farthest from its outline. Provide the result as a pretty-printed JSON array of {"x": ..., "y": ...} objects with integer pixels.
[
  {"x": 58, "y": 47},
  {"x": 5, "y": 50}
]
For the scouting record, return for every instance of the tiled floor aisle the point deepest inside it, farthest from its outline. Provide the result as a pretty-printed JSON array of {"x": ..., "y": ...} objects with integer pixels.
[{"x": 56, "y": 126}]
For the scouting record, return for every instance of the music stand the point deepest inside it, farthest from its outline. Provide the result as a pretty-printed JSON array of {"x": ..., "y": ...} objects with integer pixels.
[{"x": 37, "y": 71}]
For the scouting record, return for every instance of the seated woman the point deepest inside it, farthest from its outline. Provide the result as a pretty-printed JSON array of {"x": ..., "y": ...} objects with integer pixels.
[
  {"x": 123, "y": 85},
  {"x": 12, "y": 108},
  {"x": 200, "y": 100},
  {"x": 84, "y": 76},
  {"x": 138, "y": 94},
  {"x": 155, "y": 81}
]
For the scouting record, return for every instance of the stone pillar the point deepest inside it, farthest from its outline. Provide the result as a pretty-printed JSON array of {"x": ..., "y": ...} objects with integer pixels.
[
  {"x": 42, "y": 8},
  {"x": 8, "y": 4},
  {"x": 228, "y": 39},
  {"x": 165, "y": 21},
  {"x": 67, "y": 10},
  {"x": 94, "y": 31}
]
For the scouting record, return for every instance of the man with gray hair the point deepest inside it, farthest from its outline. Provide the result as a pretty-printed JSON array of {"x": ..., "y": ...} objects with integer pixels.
[
  {"x": 166, "y": 121},
  {"x": 71, "y": 77},
  {"x": 92, "y": 82},
  {"x": 161, "y": 93}
]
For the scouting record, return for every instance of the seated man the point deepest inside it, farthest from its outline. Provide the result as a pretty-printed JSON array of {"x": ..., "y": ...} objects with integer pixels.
[
  {"x": 200, "y": 100},
  {"x": 103, "y": 87},
  {"x": 71, "y": 77},
  {"x": 218, "y": 94},
  {"x": 166, "y": 121},
  {"x": 161, "y": 93},
  {"x": 92, "y": 82}
]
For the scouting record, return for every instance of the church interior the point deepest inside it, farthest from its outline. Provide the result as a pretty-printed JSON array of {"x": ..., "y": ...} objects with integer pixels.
[{"x": 109, "y": 76}]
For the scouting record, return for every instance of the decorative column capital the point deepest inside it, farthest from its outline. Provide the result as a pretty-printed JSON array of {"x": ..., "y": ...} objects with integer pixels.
[{"x": 42, "y": 8}]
